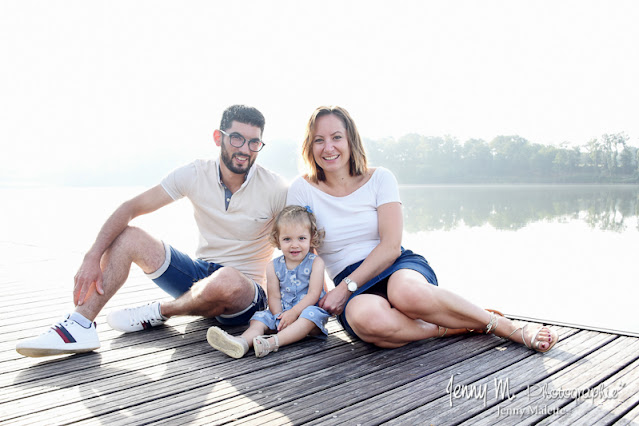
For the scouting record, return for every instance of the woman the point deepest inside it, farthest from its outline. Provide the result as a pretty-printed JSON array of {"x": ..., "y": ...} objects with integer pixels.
[{"x": 383, "y": 294}]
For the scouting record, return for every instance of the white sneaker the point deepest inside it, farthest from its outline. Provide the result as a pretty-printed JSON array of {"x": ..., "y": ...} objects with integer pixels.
[
  {"x": 235, "y": 347},
  {"x": 65, "y": 337},
  {"x": 136, "y": 319}
]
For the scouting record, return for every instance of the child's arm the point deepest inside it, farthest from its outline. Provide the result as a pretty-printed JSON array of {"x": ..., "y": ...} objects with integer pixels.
[
  {"x": 273, "y": 290},
  {"x": 315, "y": 286}
]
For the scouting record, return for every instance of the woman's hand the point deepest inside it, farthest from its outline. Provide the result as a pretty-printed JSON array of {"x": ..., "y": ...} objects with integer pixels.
[{"x": 335, "y": 300}]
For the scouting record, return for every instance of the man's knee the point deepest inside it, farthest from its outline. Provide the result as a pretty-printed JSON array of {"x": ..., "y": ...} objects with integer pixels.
[
  {"x": 129, "y": 238},
  {"x": 136, "y": 245},
  {"x": 226, "y": 286}
]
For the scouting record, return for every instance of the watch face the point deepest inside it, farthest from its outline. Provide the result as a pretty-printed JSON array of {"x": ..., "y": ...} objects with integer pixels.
[{"x": 352, "y": 286}]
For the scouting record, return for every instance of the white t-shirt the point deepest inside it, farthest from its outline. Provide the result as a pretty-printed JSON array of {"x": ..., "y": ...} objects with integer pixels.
[
  {"x": 350, "y": 222},
  {"x": 237, "y": 237}
]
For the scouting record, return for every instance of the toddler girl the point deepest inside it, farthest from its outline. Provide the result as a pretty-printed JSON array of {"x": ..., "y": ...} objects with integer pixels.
[{"x": 294, "y": 284}]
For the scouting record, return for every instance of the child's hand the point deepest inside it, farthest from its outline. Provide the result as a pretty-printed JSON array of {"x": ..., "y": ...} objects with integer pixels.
[{"x": 286, "y": 318}]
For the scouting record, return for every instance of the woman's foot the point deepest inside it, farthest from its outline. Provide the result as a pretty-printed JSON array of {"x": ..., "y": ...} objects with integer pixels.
[
  {"x": 264, "y": 345},
  {"x": 235, "y": 347},
  {"x": 540, "y": 340}
]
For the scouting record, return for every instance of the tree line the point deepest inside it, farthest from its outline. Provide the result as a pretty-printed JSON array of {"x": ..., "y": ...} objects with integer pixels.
[
  {"x": 512, "y": 207},
  {"x": 417, "y": 159}
]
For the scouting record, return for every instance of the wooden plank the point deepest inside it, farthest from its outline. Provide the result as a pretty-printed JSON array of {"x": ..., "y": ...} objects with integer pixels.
[
  {"x": 605, "y": 403},
  {"x": 170, "y": 375},
  {"x": 228, "y": 391},
  {"x": 530, "y": 369},
  {"x": 530, "y": 407},
  {"x": 630, "y": 418},
  {"x": 134, "y": 388},
  {"x": 388, "y": 370}
]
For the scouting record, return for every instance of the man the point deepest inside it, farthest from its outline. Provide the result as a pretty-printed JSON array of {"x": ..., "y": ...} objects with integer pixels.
[{"x": 235, "y": 202}]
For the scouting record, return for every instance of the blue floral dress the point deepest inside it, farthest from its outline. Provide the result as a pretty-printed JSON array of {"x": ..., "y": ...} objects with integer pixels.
[{"x": 293, "y": 287}]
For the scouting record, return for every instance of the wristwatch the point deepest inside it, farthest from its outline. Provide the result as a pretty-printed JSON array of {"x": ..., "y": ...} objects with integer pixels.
[{"x": 350, "y": 284}]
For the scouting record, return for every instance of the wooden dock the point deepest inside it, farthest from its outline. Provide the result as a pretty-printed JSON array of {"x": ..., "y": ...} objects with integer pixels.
[{"x": 170, "y": 375}]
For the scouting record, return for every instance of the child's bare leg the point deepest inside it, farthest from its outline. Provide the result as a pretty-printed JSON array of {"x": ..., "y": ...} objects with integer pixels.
[
  {"x": 256, "y": 328},
  {"x": 235, "y": 347},
  {"x": 294, "y": 332}
]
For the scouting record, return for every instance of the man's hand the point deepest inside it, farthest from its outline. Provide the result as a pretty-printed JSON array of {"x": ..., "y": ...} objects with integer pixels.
[
  {"x": 88, "y": 276},
  {"x": 286, "y": 318},
  {"x": 335, "y": 300}
]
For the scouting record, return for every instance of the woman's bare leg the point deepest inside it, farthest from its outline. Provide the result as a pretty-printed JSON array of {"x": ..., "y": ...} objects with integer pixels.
[
  {"x": 410, "y": 293},
  {"x": 375, "y": 321}
]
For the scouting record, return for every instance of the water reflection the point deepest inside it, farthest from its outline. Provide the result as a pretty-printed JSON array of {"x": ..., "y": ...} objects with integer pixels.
[{"x": 512, "y": 207}]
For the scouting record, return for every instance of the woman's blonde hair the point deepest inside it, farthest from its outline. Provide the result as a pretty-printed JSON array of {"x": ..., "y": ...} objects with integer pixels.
[
  {"x": 358, "y": 163},
  {"x": 296, "y": 214}
]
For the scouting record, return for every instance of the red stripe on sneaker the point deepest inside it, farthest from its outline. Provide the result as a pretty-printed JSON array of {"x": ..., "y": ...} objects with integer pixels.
[
  {"x": 146, "y": 325},
  {"x": 64, "y": 334}
]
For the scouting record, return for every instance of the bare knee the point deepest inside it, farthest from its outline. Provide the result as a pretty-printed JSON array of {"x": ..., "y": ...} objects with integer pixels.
[
  {"x": 128, "y": 241},
  {"x": 377, "y": 329},
  {"x": 227, "y": 289},
  {"x": 137, "y": 246},
  {"x": 411, "y": 298},
  {"x": 127, "y": 238}
]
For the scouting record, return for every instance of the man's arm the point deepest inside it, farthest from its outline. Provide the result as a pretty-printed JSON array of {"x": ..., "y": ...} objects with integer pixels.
[{"x": 90, "y": 271}]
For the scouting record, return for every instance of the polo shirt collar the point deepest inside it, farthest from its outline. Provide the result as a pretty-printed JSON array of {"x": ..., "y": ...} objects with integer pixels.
[{"x": 250, "y": 174}]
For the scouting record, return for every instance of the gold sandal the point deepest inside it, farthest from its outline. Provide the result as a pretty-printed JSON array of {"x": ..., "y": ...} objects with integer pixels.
[
  {"x": 534, "y": 343},
  {"x": 492, "y": 325}
]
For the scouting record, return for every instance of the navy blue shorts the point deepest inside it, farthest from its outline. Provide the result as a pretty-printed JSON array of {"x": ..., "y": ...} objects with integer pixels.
[
  {"x": 378, "y": 285},
  {"x": 179, "y": 272}
]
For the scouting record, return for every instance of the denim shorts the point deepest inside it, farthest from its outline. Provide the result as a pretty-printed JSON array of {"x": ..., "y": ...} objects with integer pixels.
[
  {"x": 179, "y": 272},
  {"x": 378, "y": 285}
]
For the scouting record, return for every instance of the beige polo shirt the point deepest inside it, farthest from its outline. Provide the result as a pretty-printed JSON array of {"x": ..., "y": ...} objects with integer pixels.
[{"x": 237, "y": 237}]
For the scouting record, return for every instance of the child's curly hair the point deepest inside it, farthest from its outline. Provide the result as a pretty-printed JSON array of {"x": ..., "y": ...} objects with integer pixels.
[{"x": 297, "y": 214}]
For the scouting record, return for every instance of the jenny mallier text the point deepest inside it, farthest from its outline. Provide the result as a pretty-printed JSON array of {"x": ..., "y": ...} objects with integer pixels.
[{"x": 535, "y": 392}]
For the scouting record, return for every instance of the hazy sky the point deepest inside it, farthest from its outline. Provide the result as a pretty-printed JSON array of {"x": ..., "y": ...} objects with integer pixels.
[{"x": 91, "y": 85}]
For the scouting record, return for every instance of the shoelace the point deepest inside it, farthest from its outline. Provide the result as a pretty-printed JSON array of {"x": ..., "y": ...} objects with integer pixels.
[{"x": 140, "y": 315}]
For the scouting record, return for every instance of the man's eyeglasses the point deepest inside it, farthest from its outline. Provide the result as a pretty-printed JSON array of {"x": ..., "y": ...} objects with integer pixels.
[{"x": 238, "y": 141}]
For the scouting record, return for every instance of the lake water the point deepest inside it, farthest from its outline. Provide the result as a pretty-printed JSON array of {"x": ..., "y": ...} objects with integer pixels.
[{"x": 562, "y": 254}]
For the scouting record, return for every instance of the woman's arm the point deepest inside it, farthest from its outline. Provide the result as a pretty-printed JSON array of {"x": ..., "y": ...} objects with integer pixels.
[{"x": 391, "y": 225}]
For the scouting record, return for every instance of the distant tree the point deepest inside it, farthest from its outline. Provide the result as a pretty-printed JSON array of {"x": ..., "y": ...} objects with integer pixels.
[
  {"x": 542, "y": 159},
  {"x": 594, "y": 154},
  {"x": 476, "y": 158},
  {"x": 611, "y": 144},
  {"x": 626, "y": 160},
  {"x": 417, "y": 159},
  {"x": 510, "y": 155}
]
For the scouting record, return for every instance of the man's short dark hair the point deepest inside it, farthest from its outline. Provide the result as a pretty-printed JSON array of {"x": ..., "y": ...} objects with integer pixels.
[{"x": 242, "y": 114}]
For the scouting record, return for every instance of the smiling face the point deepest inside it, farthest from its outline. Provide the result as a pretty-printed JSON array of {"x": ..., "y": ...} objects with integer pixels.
[
  {"x": 238, "y": 160},
  {"x": 332, "y": 125},
  {"x": 295, "y": 241},
  {"x": 331, "y": 150}
]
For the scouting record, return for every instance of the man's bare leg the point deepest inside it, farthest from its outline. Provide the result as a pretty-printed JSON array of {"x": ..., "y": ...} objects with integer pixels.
[
  {"x": 133, "y": 245},
  {"x": 77, "y": 333},
  {"x": 226, "y": 291}
]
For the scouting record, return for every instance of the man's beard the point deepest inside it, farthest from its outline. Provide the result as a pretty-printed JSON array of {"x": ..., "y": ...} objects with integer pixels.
[{"x": 228, "y": 162}]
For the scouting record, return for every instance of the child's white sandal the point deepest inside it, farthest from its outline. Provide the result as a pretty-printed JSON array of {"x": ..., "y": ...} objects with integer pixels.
[{"x": 262, "y": 346}]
